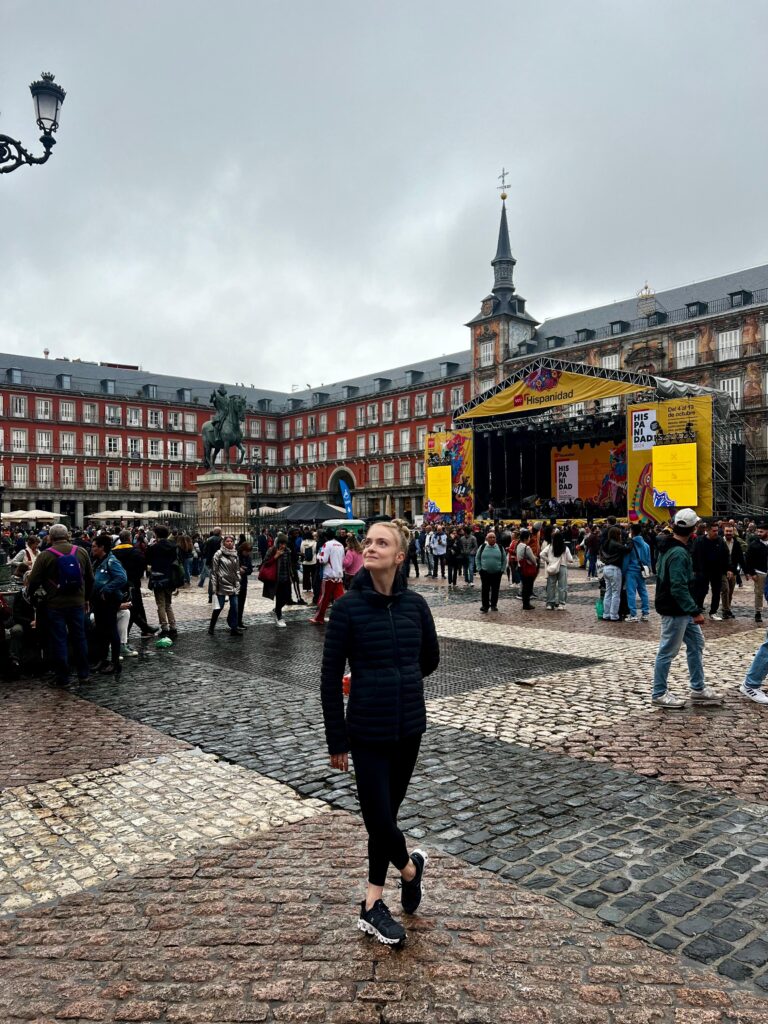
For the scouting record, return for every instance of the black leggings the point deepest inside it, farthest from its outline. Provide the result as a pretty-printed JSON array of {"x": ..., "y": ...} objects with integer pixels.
[{"x": 382, "y": 773}]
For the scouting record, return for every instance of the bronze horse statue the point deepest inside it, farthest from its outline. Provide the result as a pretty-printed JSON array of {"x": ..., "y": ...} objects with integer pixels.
[{"x": 229, "y": 435}]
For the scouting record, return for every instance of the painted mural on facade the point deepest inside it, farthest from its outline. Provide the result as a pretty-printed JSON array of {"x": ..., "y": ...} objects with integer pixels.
[{"x": 452, "y": 448}]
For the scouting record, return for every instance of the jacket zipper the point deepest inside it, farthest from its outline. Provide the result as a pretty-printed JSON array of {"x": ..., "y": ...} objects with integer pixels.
[{"x": 397, "y": 666}]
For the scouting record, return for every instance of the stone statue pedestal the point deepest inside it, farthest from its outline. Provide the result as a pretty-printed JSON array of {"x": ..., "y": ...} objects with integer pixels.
[{"x": 222, "y": 500}]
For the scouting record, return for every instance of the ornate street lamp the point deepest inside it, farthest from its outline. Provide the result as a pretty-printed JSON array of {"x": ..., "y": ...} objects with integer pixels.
[{"x": 48, "y": 98}]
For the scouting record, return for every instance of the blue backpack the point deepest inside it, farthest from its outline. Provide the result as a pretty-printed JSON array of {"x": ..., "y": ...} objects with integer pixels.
[{"x": 70, "y": 571}]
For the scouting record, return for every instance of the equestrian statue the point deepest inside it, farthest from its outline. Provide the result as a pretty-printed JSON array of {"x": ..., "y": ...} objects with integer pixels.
[{"x": 224, "y": 430}]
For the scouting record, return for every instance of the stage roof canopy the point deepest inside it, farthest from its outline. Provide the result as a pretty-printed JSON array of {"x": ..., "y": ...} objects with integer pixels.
[{"x": 546, "y": 383}]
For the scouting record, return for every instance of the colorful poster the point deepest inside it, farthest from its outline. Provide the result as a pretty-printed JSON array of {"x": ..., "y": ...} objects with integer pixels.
[
  {"x": 544, "y": 388},
  {"x": 451, "y": 450},
  {"x": 674, "y": 417},
  {"x": 602, "y": 474},
  {"x": 567, "y": 479},
  {"x": 675, "y": 477}
]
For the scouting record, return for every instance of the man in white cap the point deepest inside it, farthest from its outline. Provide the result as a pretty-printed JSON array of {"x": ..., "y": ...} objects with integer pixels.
[{"x": 681, "y": 618}]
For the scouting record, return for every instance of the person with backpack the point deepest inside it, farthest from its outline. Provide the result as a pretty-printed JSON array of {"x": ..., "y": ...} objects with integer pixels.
[
  {"x": 528, "y": 567},
  {"x": 556, "y": 557},
  {"x": 110, "y": 590},
  {"x": 490, "y": 564},
  {"x": 64, "y": 574},
  {"x": 166, "y": 574}
]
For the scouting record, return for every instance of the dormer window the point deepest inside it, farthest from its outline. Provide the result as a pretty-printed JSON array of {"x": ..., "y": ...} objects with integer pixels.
[
  {"x": 64, "y": 381},
  {"x": 150, "y": 390},
  {"x": 584, "y": 334},
  {"x": 349, "y": 391},
  {"x": 318, "y": 397},
  {"x": 695, "y": 308},
  {"x": 659, "y": 317},
  {"x": 381, "y": 383},
  {"x": 263, "y": 404},
  {"x": 108, "y": 386},
  {"x": 184, "y": 394},
  {"x": 740, "y": 298},
  {"x": 14, "y": 376},
  {"x": 448, "y": 369},
  {"x": 413, "y": 376},
  {"x": 555, "y": 341},
  {"x": 619, "y": 326}
]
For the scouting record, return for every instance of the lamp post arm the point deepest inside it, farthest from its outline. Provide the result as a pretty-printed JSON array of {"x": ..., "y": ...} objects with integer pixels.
[{"x": 14, "y": 155}]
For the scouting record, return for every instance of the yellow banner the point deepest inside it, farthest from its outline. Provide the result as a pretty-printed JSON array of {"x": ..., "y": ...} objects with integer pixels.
[
  {"x": 450, "y": 493},
  {"x": 439, "y": 490},
  {"x": 675, "y": 480},
  {"x": 546, "y": 389},
  {"x": 645, "y": 489}
]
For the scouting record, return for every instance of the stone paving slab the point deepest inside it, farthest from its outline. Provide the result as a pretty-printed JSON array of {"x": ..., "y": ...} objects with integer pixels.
[
  {"x": 49, "y": 733},
  {"x": 60, "y": 837},
  {"x": 264, "y": 931}
]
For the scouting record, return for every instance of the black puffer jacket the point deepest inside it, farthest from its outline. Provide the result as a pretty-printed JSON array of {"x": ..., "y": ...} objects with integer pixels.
[{"x": 391, "y": 644}]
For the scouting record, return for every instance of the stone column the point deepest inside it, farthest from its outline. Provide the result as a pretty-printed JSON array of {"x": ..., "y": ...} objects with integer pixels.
[
  {"x": 31, "y": 503},
  {"x": 79, "y": 514},
  {"x": 56, "y": 506}
]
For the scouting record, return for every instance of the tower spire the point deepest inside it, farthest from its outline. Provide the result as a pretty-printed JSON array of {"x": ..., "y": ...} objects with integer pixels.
[{"x": 503, "y": 262}]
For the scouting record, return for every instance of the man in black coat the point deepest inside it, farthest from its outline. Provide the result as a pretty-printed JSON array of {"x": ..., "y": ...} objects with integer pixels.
[
  {"x": 756, "y": 566},
  {"x": 710, "y": 565},
  {"x": 135, "y": 566},
  {"x": 735, "y": 565}
]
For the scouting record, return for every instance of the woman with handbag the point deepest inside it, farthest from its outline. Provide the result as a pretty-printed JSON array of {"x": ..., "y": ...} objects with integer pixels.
[
  {"x": 556, "y": 557},
  {"x": 275, "y": 574}
]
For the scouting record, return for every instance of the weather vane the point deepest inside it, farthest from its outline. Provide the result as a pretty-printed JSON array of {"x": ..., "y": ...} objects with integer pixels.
[{"x": 503, "y": 179}]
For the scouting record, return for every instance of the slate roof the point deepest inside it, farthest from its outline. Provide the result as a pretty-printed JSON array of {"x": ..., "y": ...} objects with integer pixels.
[
  {"x": 87, "y": 377},
  {"x": 712, "y": 291}
]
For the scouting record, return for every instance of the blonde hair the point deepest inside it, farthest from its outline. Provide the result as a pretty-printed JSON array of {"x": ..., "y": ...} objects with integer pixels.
[{"x": 401, "y": 529}]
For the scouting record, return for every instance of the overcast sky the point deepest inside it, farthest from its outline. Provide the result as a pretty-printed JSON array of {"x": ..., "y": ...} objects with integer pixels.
[{"x": 294, "y": 193}]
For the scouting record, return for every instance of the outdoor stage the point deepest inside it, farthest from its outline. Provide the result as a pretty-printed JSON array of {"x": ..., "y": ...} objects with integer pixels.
[{"x": 554, "y": 431}]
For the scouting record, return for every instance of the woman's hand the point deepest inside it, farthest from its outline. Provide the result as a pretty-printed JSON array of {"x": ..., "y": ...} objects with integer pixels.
[{"x": 340, "y": 762}]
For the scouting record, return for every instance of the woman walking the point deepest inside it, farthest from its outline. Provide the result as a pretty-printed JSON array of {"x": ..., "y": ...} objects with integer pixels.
[
  {"x": 225, "y": 581},
  {"x": 276, "y": 576},
  {"x": 308, "y": 556},
  {"x": 387, "y": 635}
]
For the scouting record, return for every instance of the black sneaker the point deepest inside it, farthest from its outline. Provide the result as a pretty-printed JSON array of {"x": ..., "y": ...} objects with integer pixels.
[
  {"x": 379, "y": 922},
  {"x": 411, "y": 892},
  {"x": 758, "y": 617}
]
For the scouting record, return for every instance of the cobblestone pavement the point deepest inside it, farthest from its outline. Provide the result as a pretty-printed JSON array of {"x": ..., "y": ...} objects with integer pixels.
[
  {"x": 595, "y": 859},
  {"x": 261, "y": 931}
]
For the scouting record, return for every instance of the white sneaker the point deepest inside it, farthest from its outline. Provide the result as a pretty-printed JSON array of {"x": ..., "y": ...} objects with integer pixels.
[
  {"x": 753, "y": 693},
  {"x": 645, "y": 618},
  {"x": 280, "y": 623},
  {"x": 716, "y": 617},
  {"x": 631, "y": 618},
  {"x": 707, "y": 695},
  {"x": 668, "y": 700}
]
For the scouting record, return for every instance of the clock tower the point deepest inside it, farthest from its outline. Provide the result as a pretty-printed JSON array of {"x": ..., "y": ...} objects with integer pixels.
[{"x": 502, "y": 330}]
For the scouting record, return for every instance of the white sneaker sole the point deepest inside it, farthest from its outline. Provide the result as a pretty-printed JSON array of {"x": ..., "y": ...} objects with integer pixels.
[{"x": 370, "y": 930}]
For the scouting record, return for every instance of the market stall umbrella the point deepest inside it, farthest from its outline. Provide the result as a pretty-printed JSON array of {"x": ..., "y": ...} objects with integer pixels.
[
  {"x": 163, "y": 513},
  {"x": 118, "y": 513},
  {"x": 40, "y": 514}
]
